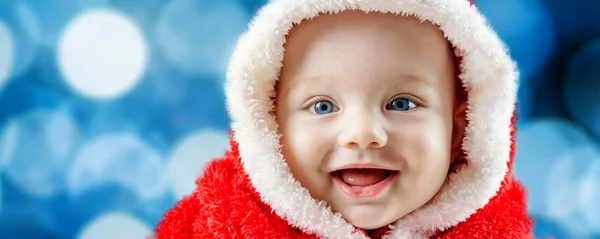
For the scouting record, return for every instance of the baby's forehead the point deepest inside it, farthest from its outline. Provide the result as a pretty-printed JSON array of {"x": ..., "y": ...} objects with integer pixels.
[
  {"x": 359, "y": 33},
  {"x": 387, "y": 48}
]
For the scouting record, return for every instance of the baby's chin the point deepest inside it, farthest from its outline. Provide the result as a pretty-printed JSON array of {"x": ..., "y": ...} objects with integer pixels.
[{"x": 371, "y": 217}]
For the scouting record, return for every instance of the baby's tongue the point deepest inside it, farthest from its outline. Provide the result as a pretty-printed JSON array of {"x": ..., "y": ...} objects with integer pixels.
[{"x": 363, "y": 177}]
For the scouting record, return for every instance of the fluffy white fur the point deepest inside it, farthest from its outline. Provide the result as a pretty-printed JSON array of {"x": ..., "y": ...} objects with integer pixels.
[{"x": 487, "y": 72}]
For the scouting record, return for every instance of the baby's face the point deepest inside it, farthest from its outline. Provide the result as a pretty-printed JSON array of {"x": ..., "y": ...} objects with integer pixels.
[{"x": 367, "y": 91}]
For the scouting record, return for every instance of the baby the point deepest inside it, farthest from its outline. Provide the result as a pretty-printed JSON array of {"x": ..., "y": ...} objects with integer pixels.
[{"x": 363, "y": 119}]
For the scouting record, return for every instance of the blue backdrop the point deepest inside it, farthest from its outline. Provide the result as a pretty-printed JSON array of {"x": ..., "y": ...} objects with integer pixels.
[{"x": 109, "y": 109}]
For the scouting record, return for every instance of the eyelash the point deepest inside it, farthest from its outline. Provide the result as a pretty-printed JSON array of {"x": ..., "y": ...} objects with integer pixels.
[
  {"x": 413, "y": 99},
  {"x": 309, "y": 105},
  {"x": 411, "y": 104}
]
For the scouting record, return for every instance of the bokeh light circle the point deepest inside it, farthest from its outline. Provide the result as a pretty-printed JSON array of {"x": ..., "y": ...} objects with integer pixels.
[
  {"x": 581, "y": 89},
  {"x": 120, "y": 158},
  {"x": 540, "y": 144},
  {"x": 115, "y": 225},
  {"x": 40, "y": 144},
  {"x": 198, "y": 36},
  {"x": 102, "y": 54}
]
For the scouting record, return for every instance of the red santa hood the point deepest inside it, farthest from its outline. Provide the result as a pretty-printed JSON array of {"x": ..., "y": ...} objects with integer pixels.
[{"x": 486, "y": 71}]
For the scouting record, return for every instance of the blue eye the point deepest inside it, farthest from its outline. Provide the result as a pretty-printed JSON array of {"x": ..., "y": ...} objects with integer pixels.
[
  {"x": 401, "y": 104},
  {"x": 323, "y": 107}
]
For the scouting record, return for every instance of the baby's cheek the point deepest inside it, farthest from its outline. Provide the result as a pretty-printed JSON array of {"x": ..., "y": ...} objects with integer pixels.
[
  {"x": 304, "y": 146},
  {"x": 426, "y": 147},
  {"x": 304, "y": 153}
]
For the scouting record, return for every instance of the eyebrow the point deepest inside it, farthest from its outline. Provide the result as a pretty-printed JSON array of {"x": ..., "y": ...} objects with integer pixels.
[
  {"x": 412, "y": 82},
  {"x": 410, "y": 79},
  {"x": 403, "y": 80},
  {"x": 294, "y": 86}
]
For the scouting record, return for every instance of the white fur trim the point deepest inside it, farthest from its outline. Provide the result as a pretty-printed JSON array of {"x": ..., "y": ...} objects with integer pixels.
[{"x": 487, "y": 72}]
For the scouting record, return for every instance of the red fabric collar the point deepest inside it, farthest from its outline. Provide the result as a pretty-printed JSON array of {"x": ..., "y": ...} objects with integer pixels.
[{"x": 376, "y": 233}]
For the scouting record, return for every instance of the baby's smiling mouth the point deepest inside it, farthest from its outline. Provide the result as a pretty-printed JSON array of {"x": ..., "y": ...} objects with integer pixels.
[
  {"x": 363, "y": 181},
  {"x": 362, "y": 177}
]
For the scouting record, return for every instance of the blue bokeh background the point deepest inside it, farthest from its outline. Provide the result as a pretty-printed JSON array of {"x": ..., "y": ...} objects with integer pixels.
[{"x": 109, "y": 109}]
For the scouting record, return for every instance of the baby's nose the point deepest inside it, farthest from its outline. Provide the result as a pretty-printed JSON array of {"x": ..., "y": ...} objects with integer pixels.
[{"x": 364, "y": 131}]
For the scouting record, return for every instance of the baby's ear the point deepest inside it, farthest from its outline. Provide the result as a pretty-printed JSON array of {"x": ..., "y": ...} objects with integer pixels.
[{"x": 458, "y": 128}]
